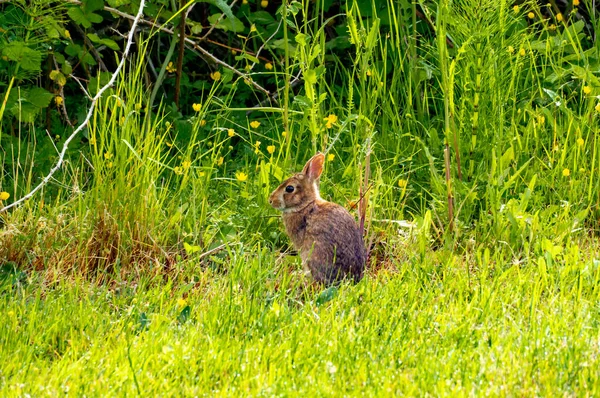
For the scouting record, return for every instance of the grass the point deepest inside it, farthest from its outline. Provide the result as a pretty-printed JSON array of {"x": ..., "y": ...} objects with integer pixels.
[
  {"x": 153, "y": 265},
  {"x": 413, "y": 328}
]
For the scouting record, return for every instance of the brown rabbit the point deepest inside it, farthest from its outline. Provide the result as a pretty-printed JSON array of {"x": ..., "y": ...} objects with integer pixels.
[{"x": 329, "y": 241}]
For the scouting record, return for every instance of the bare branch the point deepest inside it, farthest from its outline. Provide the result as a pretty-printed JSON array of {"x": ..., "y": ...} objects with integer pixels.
[
  {"x": 113, "y": 78},
  {"x": 187, "y": 40}
]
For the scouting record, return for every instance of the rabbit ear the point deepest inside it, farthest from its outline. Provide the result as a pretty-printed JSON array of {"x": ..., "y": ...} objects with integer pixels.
[{"x": 314, "y": 167}]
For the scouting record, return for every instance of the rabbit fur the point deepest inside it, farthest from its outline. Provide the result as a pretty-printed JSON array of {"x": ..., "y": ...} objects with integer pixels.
[{"x": 326, "y": 235}]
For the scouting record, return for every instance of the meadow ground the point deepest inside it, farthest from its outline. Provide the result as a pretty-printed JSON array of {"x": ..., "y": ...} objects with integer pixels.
[{"x": 445, "y": 325}]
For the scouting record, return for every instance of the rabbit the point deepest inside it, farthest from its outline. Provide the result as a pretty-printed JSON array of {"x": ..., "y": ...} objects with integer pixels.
[{"x": 326, "y": 235}]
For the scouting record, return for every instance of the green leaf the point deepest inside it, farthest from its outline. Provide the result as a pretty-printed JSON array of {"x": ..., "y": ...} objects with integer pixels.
[
  {"x": 58, "y": 77},
  {"x": 90, "y": 6},
  {"x": 40, "y": 97},
  {"x": 53, "y": 29},
  {"x": 302, "y": 39},
  {"x": 248, "y": 57},
  {"x": 261, "y": 17},
  {"x": 107, "y": 42},
  {"x": 326, "y": 295},
  {"x": 226, "y": 76},
  {"x": 28, "y": 58},
  {"x": 302, "y": 102},
  {"x": 67, "y": 69},
  {"x": 25, "y": 112},
  {"x": 73, "y": 50},
  {"x": 143, "y": 322},
  {"x": 94, "y": 18},
  {"x": 118, "y": 3},
  {"x": 88, "y": 59},
  {"x": 195, "y": 27},
  {"x": 184, "y": 315},
  {"x": 222, "y": 5},
  {"x": 310, "y": 76},
  {"x": 234, "y": 25},
  {"x": 190, "y": 249},
  {"x": 59, "y": 58},
  {"x": 79, "y": 17}
]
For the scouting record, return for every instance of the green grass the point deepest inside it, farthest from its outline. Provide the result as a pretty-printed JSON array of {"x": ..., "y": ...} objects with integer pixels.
[{"x": 413, "y": 328}]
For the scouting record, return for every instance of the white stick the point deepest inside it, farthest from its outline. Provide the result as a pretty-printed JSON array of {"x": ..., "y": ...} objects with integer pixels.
[{"x": 61, "y": 157}]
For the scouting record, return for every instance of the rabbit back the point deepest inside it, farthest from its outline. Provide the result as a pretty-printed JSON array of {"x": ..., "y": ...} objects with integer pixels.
[{"x": 329, "y": 241}]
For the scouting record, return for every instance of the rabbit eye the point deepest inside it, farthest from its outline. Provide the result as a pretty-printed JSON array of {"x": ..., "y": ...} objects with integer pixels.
[{"x": 289, "y": 189}]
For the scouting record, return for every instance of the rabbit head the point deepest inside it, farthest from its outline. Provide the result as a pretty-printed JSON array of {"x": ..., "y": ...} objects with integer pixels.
[{"x": 301, "y": 189}]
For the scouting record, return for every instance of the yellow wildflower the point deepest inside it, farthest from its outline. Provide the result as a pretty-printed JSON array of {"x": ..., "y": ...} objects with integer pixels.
[
  {"x": 220, "y": 161},
  {"x": 575, "y": 3},
  {"x": 178, "y": 170},
  {"x": 284, "y": 134},
  {"x": 202, "y": 123},
  {"x": 181, "y": 302},
  {"x": 252, "y": 28},
  {"x": 4, "y": 195},
  {"x": 197, "y": 107},
  {"x": 268, "y": 66},
  {"x": 186, "y": 164},
  {"x": 241, "y": 176},
  {"x": 597, "y": 107},
  {"x": 108, "y": 155},
  {"x": 566, "y": 172},
  {"x": 216, "y": 75},
  {"x": 522, "y": 52},
  {"x": 511, "y": 49},
  {"x": 559, "y": 17},
  {"x": 271, "y": 149},
  {"x": 244, "y": 2},
  {"x": 580, "y": 141},
  {"x": 201, "y": 174},
  {"x": 255, "y": 124},
  {"x": 58, "y": 100},
  {"x": 264, "y": 3},
  {"x": 516, "y": 9},
  {"x": 169, "y": 144},
  {"x": 67, "y": 34},
  {"x": 330, "y": 157},
  {"x": 402, "y": 183},
  {"x": 331, "y": 119},
  {"x": 552, "y": 27},
  {"x": 231, "y": 132},
  {"x": 369, "y": 73},
  {"x": 541, "y": 119},
  {"x": 587, "y": 89},
  {"x": 109, "y": 165},
  {"x": 171, "y": 68},
  {"x": 531, "y": 15}
]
